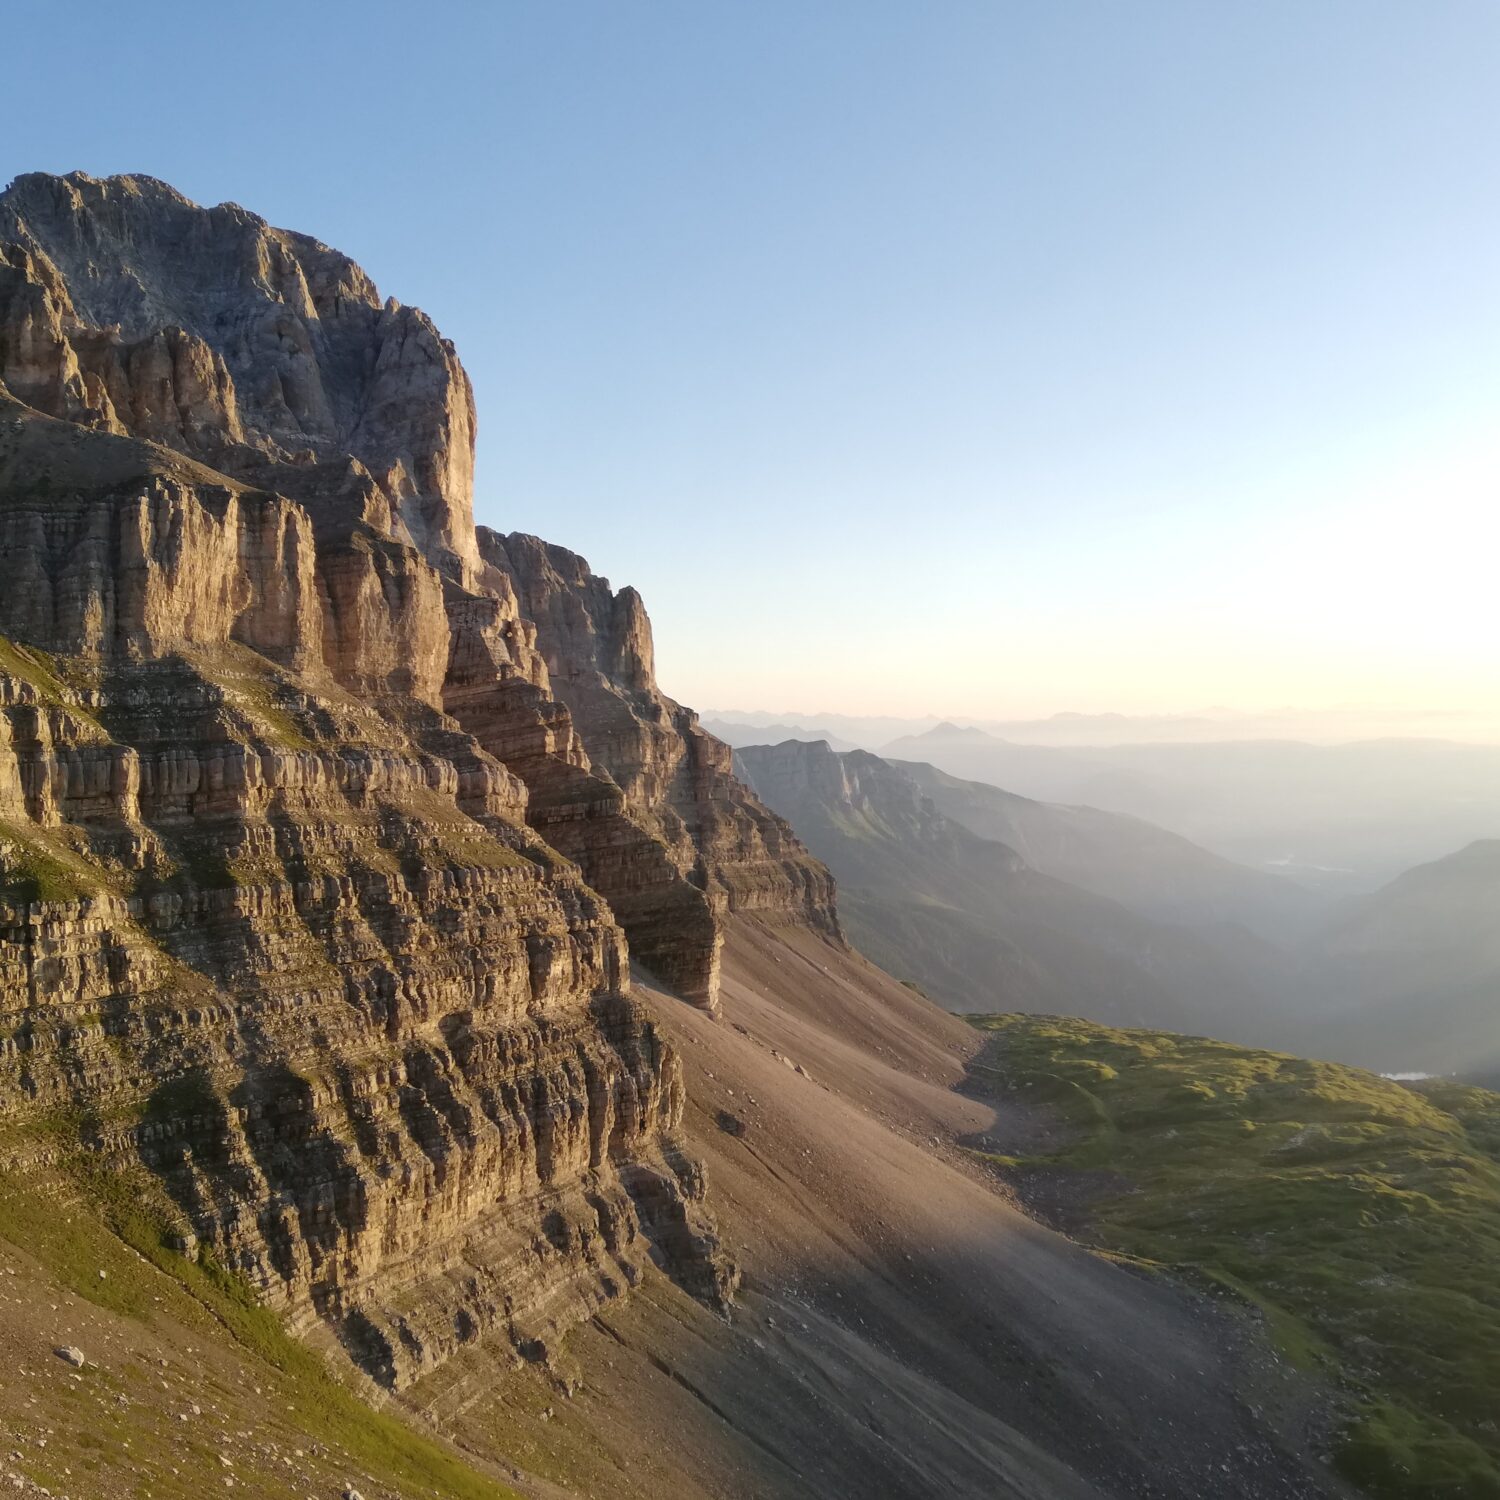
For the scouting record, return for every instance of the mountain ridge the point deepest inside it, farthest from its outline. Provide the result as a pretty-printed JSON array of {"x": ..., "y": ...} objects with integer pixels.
[
  {"x": 1153, "y": 871},
  {"x": 970, "y": 920},
  {"x": 295, "y": 743},
  {"x": 385, "y": 961},
  {"x": 1409, "y": 975}
]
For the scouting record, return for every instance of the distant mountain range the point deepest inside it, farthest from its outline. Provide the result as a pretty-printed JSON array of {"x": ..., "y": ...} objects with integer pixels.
[
  {"x": 980, "y": 926},
  {"x": 1155, "y": 873},
  {"x": 989, "y": 900},
  {"x": 1344, "y": 818},
  {"x": 1102, "y": 730},
  {"x": 737, "y": 734},
  {"x": 1409, "y": 977}
]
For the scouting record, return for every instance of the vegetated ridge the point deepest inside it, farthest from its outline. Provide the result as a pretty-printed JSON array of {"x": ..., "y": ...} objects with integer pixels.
[{"x": 1362, "y": 1215}]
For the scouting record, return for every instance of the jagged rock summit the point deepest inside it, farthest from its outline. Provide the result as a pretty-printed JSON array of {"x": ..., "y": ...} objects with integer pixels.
[
  {"x": 326, "y": 819},
  {"x": 329, "y": 829},
  {"x": 347, "y": 547}
]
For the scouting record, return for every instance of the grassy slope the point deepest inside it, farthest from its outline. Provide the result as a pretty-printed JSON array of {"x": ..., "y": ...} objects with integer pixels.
[
  {"x": 185, "y": 1366},
  {"x": 1362, "y": 1215}
]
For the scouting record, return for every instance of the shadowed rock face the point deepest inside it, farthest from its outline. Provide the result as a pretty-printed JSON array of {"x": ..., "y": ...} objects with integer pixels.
[{"x": 323, "y": 820}]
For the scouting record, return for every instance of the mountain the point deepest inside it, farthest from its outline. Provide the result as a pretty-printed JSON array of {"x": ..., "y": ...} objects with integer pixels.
[
  {"x": 1151, "y": 871},
  {"x": 860, "y": 731},
  {"x": 1341, "y": 818},
  {"x": 736, "y": 734},
  {"x": 417, "y": 1048},
  {"x": 1410, "y": 976},
  {"x": 301, "y": 847},
  {"x": 346, "y": 426},
  {"x": 1215, "y": 725},
  {"x": 979, "y": 927}
]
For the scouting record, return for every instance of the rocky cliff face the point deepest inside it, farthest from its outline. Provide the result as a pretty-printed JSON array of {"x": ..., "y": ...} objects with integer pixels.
[
  {"x": 856, "y": 786},
  {"x": 676, "y": 780},
  {"x": 324, "y": 819},
  {"x": 134, "y": 310},
  {"x": 262, "y": 356}
]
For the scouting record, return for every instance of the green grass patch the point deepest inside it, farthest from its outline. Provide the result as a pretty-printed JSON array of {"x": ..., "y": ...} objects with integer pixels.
[
  {"x": 1360, "y": 1215},
  {"x": 118, "y": 1220},
  {"x": 256, "y": 694},
  {"x": 36, "y": 867},
  {"x": 33, "y": 667}
]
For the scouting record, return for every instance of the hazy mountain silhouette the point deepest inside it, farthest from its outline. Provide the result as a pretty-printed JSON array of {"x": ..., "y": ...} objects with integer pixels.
[
  {"x": 736, "y": 734},
  {"x": 976, "y": 925},
  {"x": 1345, "y": 818},
  {"x": 1410, "y": 975},
  {"x": 1149, "y": 869}
]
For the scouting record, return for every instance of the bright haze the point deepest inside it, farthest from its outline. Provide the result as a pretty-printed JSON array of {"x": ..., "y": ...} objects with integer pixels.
[{"x": 995, "y": 360}]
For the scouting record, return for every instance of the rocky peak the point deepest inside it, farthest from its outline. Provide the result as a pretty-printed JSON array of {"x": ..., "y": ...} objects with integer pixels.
[
  {"x": 323, "y": 828},
  {"x": 280, "y": 460},
  {"x": 584, "y": 626},
  {"x": 205, "y": 328},
  {"x": 851, "y": 777}
]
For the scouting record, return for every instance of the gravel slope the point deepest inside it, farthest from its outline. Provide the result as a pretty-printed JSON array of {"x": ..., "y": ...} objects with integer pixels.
[{"x": 904, "y": 1330}]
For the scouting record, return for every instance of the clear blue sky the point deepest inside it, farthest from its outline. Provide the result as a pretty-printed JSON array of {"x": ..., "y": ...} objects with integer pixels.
[{"x": 968, "y": 357}]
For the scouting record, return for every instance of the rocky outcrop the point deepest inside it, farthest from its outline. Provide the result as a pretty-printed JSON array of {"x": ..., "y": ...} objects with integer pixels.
[
  {"x": 373, "y": 1036},
  {"x": 134, "y": 310},
  {"x": 323, "y": 827},
  {"x": 314, "y": 441},
  {"x": 710, "y": 846}
]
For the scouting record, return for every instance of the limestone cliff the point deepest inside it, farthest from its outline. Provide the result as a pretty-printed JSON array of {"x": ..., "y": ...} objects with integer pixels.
[
  {"x": 266, "y": 357},
  {"x": 675, "y": 778},
  {"x": 324, "y": 820},
  {"x": 135, "y": 310},
  {"x": 302, "y": 957}
]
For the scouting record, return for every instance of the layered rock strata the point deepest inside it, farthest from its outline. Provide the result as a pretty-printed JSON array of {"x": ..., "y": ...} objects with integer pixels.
[
  {"x": 271, "y": 359},
  {"x": 324, "y": 820},
  {"x": 306, "y": 966}
]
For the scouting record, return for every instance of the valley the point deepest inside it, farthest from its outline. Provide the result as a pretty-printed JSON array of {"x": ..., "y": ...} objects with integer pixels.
[
  {"x": 965, "y": 916},
  {"x": 433, "y": 1064},
  {"x": 1337, "y": 816}
]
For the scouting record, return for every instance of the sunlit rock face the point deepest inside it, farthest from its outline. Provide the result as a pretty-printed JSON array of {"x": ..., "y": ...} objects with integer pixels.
[
  {"x": 714, "y": 848},
  {"x": 347, "y": 545},
  {"x": 329, "y": 826},
  {"x": 206, "y": 328}
]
